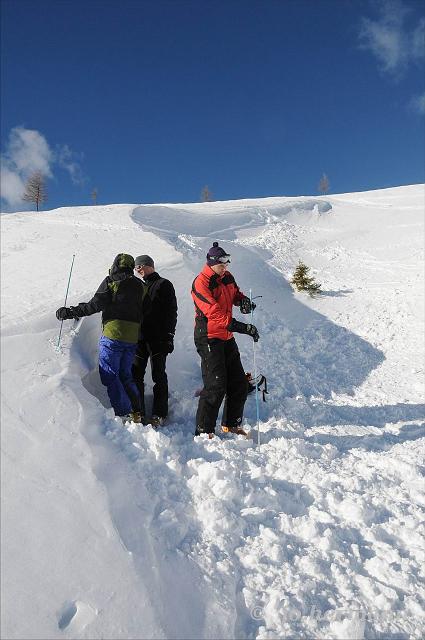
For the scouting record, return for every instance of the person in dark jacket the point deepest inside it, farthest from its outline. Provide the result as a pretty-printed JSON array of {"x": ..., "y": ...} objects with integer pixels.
[
  {"x": 215, "y": 292},
  {"x": 120, "y": 299},
  {"x": 157, "y": 337}
]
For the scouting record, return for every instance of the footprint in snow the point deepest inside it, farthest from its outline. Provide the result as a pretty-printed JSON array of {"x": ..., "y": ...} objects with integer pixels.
[{"x": 75, "y": 615}]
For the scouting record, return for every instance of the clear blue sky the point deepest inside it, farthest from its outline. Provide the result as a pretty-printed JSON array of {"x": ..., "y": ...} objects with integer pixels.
[{"x": 149, "y": 100}]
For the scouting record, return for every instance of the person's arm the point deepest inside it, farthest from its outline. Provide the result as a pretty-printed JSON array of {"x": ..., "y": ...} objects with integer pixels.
[
  {"x": 168, "y": 310},
  {"x": 169, "y": 307},
  {"x": 242, "y": 301},
  {"x": 238, "y": 297},
  {"x": 101, "y": 299},
  {"x": 247, "y": 329},
  {"x": 99, "y": 302}
]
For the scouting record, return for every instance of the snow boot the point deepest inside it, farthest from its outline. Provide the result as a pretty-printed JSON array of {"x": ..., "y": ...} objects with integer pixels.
[
  {"x": 199, "y": 431},
  {"x": 238, "y": 430},
  {"x": 133, "y": 416},
  {"x": 157, "y": 421}
]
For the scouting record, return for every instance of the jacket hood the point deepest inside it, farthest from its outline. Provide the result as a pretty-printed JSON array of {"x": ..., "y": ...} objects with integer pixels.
[{"x": 122, "y": 267}]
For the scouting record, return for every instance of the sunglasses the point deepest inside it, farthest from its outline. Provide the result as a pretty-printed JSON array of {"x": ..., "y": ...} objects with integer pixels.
[{"x": 224, "y": 259}]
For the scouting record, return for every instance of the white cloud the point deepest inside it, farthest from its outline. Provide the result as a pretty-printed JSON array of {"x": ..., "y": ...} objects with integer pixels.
[
  {"x": 417, "y": 104},
  {"x": 12, "y": 188},
  {"x": 27, "y": 151},
  {"x": 70, "y": 161},
  {"x": 391, "y": 41},
  {"x": 418, "y": 40}
]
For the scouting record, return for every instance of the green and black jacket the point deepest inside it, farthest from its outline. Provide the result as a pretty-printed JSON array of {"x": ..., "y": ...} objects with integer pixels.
[{"x": 120, "y": 299}]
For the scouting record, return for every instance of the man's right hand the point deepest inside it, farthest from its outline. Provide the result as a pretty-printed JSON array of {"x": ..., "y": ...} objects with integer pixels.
[
  {"x": 65, "y": 313},
  {"x": 246, "y": 305}
]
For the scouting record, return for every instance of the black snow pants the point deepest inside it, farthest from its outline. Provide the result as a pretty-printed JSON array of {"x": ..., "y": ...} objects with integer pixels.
[
  {"x": 223, "y": 376},
  {"x": 145, "y": 352}
]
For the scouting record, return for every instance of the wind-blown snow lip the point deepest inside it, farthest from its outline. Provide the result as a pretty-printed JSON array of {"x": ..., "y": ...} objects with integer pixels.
[
  {"x": 222, "y": 219},
  {"x": 166, "y": 220}
]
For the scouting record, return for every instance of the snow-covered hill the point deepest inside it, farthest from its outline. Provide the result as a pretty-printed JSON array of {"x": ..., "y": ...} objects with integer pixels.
[{"x": 132, "y": 533}]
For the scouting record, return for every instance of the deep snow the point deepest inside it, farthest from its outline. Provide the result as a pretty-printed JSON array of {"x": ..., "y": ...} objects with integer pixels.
[{"x": 112, "y": 532}]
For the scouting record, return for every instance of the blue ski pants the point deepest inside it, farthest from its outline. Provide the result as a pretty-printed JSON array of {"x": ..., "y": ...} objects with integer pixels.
[{"x": 115, "y": 362}]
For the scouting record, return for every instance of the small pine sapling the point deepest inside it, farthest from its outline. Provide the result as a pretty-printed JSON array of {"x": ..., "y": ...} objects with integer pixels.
[{"x": 302, "y": 281}]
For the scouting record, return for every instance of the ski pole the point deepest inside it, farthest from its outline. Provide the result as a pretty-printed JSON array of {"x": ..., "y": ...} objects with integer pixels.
[
  {"x": 66, "y": 298},
  {"x": 255, "y": 377}
]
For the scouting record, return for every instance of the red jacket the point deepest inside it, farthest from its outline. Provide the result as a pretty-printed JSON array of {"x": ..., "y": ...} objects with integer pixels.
[{"x": 214, "y": 297}]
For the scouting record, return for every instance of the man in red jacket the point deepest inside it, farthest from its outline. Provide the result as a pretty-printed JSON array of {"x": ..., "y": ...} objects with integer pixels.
[{"x": 214, "y": 292}]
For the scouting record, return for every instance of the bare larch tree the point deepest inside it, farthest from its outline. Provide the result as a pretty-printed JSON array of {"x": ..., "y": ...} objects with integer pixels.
[
  {"x": 35, "y": 189},
  {"x": 206, "y": 195},
  {"x": 323, "y": 186}
]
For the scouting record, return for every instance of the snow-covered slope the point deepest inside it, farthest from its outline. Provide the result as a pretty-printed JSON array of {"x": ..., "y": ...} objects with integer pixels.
[{"x": 131, "y": 533}]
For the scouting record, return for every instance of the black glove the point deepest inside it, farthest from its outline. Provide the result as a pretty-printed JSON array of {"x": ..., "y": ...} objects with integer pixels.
[
  {"x": 253, "y": 332},
  {"x": 246, "y": 306},
  {"x": 66, "y": 313},
  {"x": 241, "y": 327},
  {"x": 166, "y": 345}
]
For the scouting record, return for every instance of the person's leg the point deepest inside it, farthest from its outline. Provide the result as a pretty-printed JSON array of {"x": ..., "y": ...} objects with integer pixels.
[
  {"x": 126, "y": 377},
  {"x": 138, "y": 370},
  {"x": 110, "y": 352},
  {"x": 237, "y": 386},
  {"x": 160, "y": 385},
  {"x": 214, "y": 377}
]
